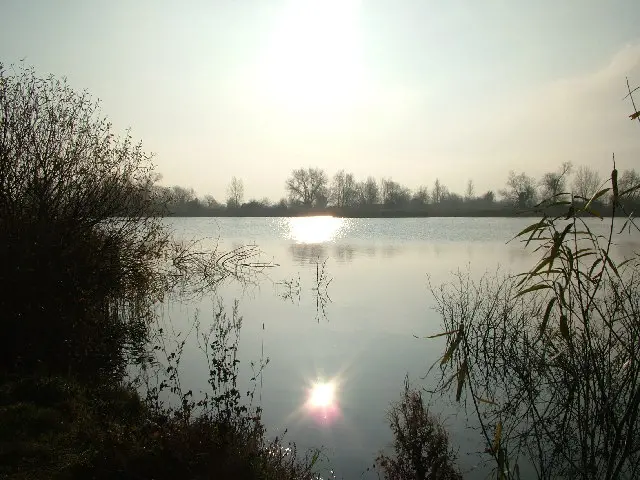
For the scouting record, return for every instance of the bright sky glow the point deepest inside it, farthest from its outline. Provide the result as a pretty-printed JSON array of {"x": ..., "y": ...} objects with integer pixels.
[
  {"x": 319, "y": 229},
  {"x": 313, "y": 60},
  {"x": 412, "y": 90}
]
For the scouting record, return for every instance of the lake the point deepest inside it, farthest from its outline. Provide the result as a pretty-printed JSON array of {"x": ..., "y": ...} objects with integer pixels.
[{"x": 359, "y": 331}]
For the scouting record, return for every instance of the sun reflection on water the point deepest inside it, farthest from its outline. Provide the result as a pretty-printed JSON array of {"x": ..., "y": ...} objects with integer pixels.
[
  {"x": 315, "y": 229},
  {"x": 322, "y": 401},
  {"x": 321, "y": 395}
]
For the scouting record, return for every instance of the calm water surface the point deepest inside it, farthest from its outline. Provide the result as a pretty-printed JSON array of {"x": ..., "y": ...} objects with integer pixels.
[{"x": 362, "y": 334}]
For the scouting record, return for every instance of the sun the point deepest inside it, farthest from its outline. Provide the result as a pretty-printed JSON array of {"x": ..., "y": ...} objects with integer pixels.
[
  {"x": 313, "y": 60},
  {"x": 322, "y": 395}
]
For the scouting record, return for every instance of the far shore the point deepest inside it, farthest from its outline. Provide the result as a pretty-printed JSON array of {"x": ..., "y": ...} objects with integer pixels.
[{"x": 379, "y": 212}]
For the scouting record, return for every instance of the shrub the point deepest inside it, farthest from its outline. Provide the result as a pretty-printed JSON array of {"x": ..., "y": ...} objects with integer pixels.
[
  {"x": 421, "y": 443},
  {"x": 78, "y": 235},
  {"x": 58, "y": 427}
]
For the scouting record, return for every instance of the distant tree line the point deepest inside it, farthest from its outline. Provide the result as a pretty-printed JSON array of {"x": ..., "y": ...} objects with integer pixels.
[{"x": 311, "y": 190}]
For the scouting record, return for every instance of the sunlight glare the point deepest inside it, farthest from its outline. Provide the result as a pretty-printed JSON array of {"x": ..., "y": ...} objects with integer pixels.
[
  {"x": 322, "y": 402},
  {"x": 314, "y": 59},
  {"x": 322, "y": 395},
  {"x": 314, "y": 229}
]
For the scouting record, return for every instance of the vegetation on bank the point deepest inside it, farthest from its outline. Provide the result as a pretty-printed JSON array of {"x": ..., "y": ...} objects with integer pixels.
[
  {"x": 85, "y": 258},
  {"x": 89, "y": 387},
  {"x": 548, "y": 360},
  {"x": 373, "y": 211},
  {"x": 310, "y": 193},
  {"x": 421, "y": 444},
  {"x": 59, "y": 427}
]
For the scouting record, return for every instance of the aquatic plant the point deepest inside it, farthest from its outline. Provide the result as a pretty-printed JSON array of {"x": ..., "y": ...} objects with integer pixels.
[
  {"x": 421, "y": 447},
  {"x": 548, "y": 359}
]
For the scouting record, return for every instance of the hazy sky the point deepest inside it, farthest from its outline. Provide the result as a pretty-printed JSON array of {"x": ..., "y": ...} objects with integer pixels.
[{"x": 408, "y": 89}]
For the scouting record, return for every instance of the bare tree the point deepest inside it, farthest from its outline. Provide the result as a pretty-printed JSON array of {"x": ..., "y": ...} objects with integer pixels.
[
  {"x": 629, "y": 179},
  {"x": 265, "y": 201},
  {"x": 369, "y": 191},
  {"x": 489, "y": 197},
  {"x": 394, "y": 194},
  {"x": 307, "y": 186},
  {"x": 586, "y": 182},
  {"x": 235, "y": 193},
  {"x": 421, "y": 196},
  {"x": 181, "y": 196},
  {"x": 438, "y": 192},
  {"x": 470, "y": 192},
  {"x": 344, "y": 190},
  {"x": 210, "y": 201},
  {"x": 520, "y": 191},
  {"x": 553, "y": 184},
  {"x": 452, "y": 199}
]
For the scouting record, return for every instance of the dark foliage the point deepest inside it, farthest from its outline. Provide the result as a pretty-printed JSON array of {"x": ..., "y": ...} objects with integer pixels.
[
  {"x": 78, "y": 231},
  {"x": 57, "y": 428},
  {"x": 421, "y": 443}
]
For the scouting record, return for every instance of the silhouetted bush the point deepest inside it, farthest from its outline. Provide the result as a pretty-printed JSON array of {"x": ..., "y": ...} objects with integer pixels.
[
  {"x": 79, "y": 237},
  {"x": 57, "y": 428},
  {"x": 421, "y": 443}
]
